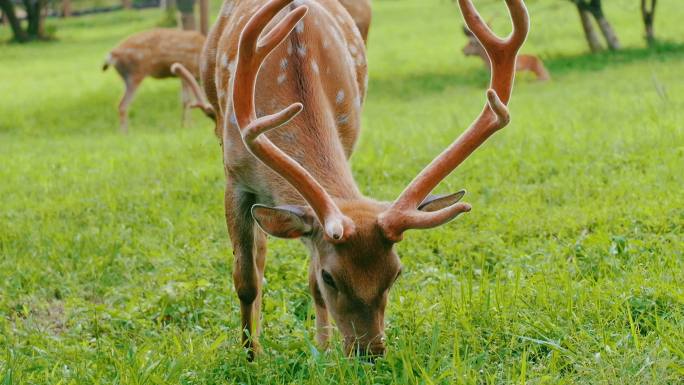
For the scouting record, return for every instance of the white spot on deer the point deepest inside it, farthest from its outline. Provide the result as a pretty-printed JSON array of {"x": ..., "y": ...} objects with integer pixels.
[
  {"x": 289, "y": 47},
  {"x": 326, "y": 43},
  {"x": 217, "y": 79},
  {"x": 224, "y": 60},
  {"x": 231, "y": 67},
  {"x": 353, "y": 49},
  {"x": 343, "y": 119},
  {"x": 289, "y": 137},
  {"x": 299, "y": 28},
  {"x": 281, "y": 78},
  {"x": 340, "y": 97},
  {"x": 301, "y": 50},
  {"x": 283, "y": 64},
  {"x": 314, "y": 67}
]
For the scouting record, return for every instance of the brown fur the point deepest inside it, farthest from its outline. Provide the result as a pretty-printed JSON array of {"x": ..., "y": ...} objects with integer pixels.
[
  {"x": 151, "y": 53},
  {"x": 361, "y": 12}
]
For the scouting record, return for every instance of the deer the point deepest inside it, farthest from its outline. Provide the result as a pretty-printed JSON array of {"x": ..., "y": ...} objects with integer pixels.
[
  {"x": 524, "y": 62},
  {"x": 361, "y": 13},
  {"x": 285, "y": 83},
  {"x": 152, "y": 53}
]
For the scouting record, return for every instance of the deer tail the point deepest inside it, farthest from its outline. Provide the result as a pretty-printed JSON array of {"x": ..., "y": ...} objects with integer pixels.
[{"x": 109, "y": 60}]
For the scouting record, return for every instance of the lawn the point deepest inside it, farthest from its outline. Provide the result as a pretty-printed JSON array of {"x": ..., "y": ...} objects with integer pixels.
[{"x": 115, "y": 265}]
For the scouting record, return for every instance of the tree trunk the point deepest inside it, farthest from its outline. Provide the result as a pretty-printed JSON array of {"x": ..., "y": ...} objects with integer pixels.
[
  {"x": 8, "y": 10},
  {"x": 169, "y": 7},
  {"x": 589, "y": 31},
  {"x": 204, "y": 17},
  {"x": 648, "y": 16},
  {"x": 188, "y": 21},
  {"x": 36, "y": 17},
  {"x": 187, "y": 10},
  {"x": 608, "y": 33},
  {"x": 66, "y": 8}
]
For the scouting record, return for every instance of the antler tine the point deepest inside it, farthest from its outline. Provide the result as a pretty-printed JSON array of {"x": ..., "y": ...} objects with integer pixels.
[
  {"x": 201, "y": 101},
  {"x": 477, "y": 26},
  {"x": 521, "y": 22},
  {"x": 403, "y": 213},
  {"x": 252, "y": 52}
]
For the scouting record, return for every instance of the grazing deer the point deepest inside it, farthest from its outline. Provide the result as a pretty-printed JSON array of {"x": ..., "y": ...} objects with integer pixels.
[
  {"x": 524, "y": 63},
  {"x": 286, "y": 162},
  {"x": 151, "y": 53}
]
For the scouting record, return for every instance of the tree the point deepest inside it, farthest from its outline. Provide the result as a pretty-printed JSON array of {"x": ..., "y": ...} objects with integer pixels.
[
  {"x": 35, "y": 14},
  {"x": 589, "y": 31},
  {"x": 66, "y": 8},
  {"x": 595, "y": 9},
  {"x": 169, "y": 7},
  {"x": 187, "y": 10},
  {"x": 648, "y": 15},
  {"x": 204, "y": 16}
]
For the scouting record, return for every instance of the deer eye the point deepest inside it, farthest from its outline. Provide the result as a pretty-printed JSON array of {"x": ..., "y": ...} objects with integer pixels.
[{"x": 328, "y": 279}]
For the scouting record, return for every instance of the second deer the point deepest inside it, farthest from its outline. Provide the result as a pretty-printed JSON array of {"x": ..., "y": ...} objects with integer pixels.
[
  {"x": 151, "y": 53},
  {"x": 523, "y": 63}
]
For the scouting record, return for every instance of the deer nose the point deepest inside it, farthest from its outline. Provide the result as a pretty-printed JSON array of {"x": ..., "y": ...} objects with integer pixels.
[
  {"x": 376, "y": 348},
  {"x": 368, "y": 349}
]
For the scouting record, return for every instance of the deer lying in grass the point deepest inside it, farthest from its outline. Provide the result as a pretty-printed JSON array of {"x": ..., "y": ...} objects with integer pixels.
[
  {"x": 286, "y": 162},
  {"x": 524, "y": 63},
  {"x": 151, "y": 53}
]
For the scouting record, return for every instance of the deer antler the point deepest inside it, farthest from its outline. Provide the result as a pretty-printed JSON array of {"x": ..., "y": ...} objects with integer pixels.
[
  {"x": 201, "y": 101},
  {"x": 403, "y": 213},
  {"x": 252, "y": 52}
]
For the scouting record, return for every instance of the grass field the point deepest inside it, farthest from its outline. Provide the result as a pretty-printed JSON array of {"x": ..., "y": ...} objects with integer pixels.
[{"x": 115, "y": 265}]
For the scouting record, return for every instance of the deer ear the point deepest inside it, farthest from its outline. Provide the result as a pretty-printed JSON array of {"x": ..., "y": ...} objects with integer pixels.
[
  {"x": 284, "y": 221},
  {"x": 439, "y": 202}
]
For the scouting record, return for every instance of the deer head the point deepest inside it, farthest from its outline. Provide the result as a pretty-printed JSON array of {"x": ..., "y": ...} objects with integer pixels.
[
  {"x": 352, "y": 238},
  {"x": 473, "y": 47}
]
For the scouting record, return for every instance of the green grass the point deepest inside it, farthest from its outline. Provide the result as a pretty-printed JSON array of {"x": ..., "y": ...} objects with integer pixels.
[{"x": 115, "y": 265}]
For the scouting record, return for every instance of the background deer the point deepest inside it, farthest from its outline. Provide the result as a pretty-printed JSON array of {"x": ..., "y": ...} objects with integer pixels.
[
  {"x": 524, "y": 63},
  {"x": 286, "y": 162},
  {"x": 151, "y": 53}
]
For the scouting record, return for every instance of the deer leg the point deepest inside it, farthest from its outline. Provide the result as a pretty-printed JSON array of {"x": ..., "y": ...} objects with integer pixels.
[
  {"x": 322, "y": 320},
  {"x": 131, "y": 86},
  {"x": 186, "y": 100},
  {"x": 260, "y": 243},
  {"x": 249, "y": 250}
]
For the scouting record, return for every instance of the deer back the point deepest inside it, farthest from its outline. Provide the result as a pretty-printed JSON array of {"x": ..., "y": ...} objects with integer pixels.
[
  {"x": 361, "y": 12},
  {"x": 151, "y": 53},
  {"x": 321, "y": 64}
]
